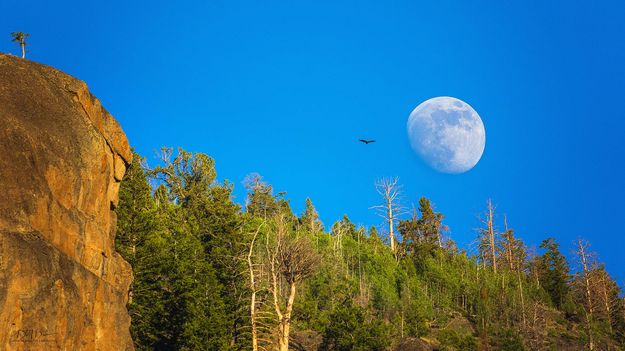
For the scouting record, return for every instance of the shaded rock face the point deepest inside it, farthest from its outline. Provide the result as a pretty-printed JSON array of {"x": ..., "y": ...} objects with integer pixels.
[{"x": 62, "y": 156}]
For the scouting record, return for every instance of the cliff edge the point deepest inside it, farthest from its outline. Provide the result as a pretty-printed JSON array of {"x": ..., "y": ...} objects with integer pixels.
[{"x": 62, "y": 157}]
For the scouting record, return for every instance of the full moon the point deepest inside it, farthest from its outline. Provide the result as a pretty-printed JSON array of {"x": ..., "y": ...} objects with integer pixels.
[{"x": 447, "y": 134}]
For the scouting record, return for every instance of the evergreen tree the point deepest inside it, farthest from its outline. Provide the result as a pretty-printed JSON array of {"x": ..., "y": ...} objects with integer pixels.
[
  {"x": 180, "y": 305},
  {"x": 344, "y": 227},
  {"x": 138, "y": 241},
  {"x": 373, "y": 235},
  {"x": 349, "y": 329},
  {"x": 191, "y": 250},
  {"x": 553, "y": 272},
  {"x": 310, "y": 218},
  {"x": 430, "y": 224},
  {"x": 512, "y": 251},
  {"x": 411, "y": 236},
  {"x": 260, "y": 199},
  {"x": 135, "y": 211}
]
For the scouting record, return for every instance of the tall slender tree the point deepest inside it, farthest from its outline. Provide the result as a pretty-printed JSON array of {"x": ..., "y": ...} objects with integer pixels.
[
  {"x": 20, "y": 38},
  {"x": 254, "y": 288},
  {"x": 137, "y": 240},
  {"x": 487, "y": 241},
  {"x": 553, "y": 272},
  {"x": 586, "y": 262},
  {"x": 310, "y": 218},
  {"x": 391, "y": 207},
  {"x": 290, "y": 260}
]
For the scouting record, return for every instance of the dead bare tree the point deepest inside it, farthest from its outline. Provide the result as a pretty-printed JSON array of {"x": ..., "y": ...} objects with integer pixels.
[
  {"x": 360, "y": 233},
  {"x": 515, "y": 255},
  {"x": 607, "y": 291},
  {"x": 536, "y": 329},
  {"x": 508, "y": 243},
  {"x": 338, "y": 231},
  {"x": 391, "y": 207},
  {"x": 491, "y": 235},
  {"x": 486, "y": 238},
  {"x": 291, "y": 260},
  {"x": 586, "y": 261},
  {"x": 254, "y": 289}
]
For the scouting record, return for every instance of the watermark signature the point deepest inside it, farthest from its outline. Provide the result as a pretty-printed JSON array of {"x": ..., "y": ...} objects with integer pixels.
[{"x": 32, "y": 335}]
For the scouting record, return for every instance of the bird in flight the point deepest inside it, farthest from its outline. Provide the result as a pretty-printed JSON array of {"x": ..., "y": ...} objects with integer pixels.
[{"x": 366, "y": 141}]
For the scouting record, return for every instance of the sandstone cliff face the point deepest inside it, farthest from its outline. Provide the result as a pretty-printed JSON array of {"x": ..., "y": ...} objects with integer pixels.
[{"x": 62, "y": 156}]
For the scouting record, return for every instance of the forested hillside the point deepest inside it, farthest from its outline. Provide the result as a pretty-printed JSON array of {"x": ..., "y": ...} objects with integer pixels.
[{"x": 210, "y": 275}]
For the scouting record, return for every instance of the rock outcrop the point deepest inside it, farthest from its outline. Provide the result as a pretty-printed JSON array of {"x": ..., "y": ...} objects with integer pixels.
[{"x": 62, "y": 157}]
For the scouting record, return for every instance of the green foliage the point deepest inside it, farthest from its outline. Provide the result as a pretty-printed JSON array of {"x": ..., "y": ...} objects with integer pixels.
[
  {"x": 349, "y": 329},
  {"x": 507, "y": 340},
  {"x": 176, "y": 302},
  {"x": 310, "y": 218},
  {"x": 260, "y": 199},
  {"x": 188, "y": 242},
  {"x": 553, "y": 272},
  {"x": 430, "y": 224},
  {"x": 452, "y": 340},
  {"x": 19, "y": 37},
  {"x": 426, "y": 229}
]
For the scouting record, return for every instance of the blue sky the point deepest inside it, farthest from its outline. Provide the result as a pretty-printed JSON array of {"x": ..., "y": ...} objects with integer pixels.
[{"x": 285, "y": 88}]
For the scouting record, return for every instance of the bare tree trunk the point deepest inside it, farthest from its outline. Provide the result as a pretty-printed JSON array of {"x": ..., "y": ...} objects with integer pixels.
[
  {"x": 491, "y": 235},
  {"x": 508, "y": 244},
  {"x": 522, "y": 298},
  {"x": 390, "y": 220},
  {"x": 291, "y": 261},
  {"x": 582, "y": 247},
  {"x": 250, "y": 265},
  {"x": 275, "y": 287},
  {"x": 390, "y": 192},
  {"x": 438, "y": 239},
  {"x": 360, "y": 289},
  {"x": 338, "y": 241},
  {"x": 285, "y": 323},
  {"x": 23, "y": 45}
]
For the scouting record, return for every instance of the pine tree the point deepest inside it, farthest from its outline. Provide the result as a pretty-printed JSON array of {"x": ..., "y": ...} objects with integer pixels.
[
  {"x": 513, "y": 253},
  {"x": 349, "y": 329},
  {"x": 20, "y": 38},
  {"x": 554, "y": 272},
  {"x": 260, "y": 199},
  {"x": 310, "y": 218},
  {"x": 411, "y": 235},
  {"x": 135, "y": 211},
  {"x": 430, "y": 224},
  {"x": 183, "y": 292},
  {"x": 209, "y": 276},
  {"x": 373, "y": 234},
  {"x": 137, "y": 240}
]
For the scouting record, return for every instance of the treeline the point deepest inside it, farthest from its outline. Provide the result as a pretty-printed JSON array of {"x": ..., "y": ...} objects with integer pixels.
[{"x": 210, "y": 275}]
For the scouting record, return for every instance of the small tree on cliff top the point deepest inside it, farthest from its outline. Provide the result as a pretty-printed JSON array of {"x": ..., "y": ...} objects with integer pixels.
[{"x": 20, "y": 38}]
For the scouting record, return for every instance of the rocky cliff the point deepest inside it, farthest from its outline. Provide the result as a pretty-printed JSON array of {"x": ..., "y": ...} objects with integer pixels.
[{"x": 62, "y": 156}]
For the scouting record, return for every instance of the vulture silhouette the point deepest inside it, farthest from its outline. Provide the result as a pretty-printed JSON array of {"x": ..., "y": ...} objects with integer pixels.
[{"x": 366, "y": 141}]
